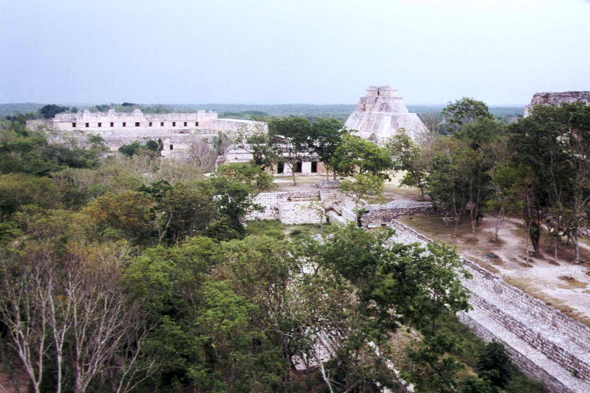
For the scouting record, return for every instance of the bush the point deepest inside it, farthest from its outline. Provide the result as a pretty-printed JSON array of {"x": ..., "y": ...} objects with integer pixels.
[{"x": 495, "y": 365}]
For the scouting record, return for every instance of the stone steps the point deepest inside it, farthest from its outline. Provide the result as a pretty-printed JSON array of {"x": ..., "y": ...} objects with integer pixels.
[{"x": 547, "y": 344}]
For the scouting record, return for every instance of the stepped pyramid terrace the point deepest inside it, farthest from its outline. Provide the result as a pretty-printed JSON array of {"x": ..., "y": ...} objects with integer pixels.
[{"x": 381, "y": 114}]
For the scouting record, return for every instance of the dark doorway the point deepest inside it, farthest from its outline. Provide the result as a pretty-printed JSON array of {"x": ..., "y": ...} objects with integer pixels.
[
  {"x": 314, "y": 167},
  {"x": 298, "y": 167},
  {"x": 280, "y": 167}
]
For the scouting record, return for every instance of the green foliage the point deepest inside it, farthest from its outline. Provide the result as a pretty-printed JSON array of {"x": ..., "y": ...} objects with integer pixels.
[
  {"x": 249, "y": 174},
  {"x": 49, "y": 111},
  {"x": 18, "y": 190},
  {"x": 432, "y": 371},
  {"x": 357, "y": 155},
  {"x": 362, "y": 186},
  {"x": 399, "y": 284},
  {"x": 406, "y": 156},
  {"x": 465, "y": 111},
  {"x": 151, "y": 147},
  {"x": 554, "y": 143},
  {"x": 26, "y": 151},
  {"x": 478, "y": 385},
  {"x": 495, "y": 365},
  {"x": 326, "y": 136},
  {"x": 247, "y": 115}
]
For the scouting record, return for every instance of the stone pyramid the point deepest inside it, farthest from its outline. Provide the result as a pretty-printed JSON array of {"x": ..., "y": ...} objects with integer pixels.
[{"x": 381, "y": 113}]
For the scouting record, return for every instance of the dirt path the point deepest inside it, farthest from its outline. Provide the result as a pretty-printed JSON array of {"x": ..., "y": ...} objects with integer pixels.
[{"x": 562, "y": 284}]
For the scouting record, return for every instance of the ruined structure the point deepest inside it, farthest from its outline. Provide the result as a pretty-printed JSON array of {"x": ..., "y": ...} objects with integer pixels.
[
  {"x": 545, "y": 343},
  {"x": 174, "y": 131},
  {"x": 310, "y": 165},
  {"x": 381, "y": 114},
  {"x": 559, "y": 98}
]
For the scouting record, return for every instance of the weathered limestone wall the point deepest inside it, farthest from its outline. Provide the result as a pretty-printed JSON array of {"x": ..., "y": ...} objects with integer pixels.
[
  {"x": 292, "y": 213},
  {"x": 176, "y": 130},
  {"x": 275, "y": 202},
  {"x": 544, "y": 342},
  {"x": 293, "y": 207},
  {"x": 381, "y": 214},
  {"x": 558, "y": 98}
]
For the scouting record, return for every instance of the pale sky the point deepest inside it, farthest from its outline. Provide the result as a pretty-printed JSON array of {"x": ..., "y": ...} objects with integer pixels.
[{"x": 298, "y": 51}]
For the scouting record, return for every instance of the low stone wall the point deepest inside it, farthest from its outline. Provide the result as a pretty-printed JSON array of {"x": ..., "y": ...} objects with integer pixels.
[
  {"x": 273, "y": 202},
  {"x": 292, "y": 213},
  {"x": 546, "y": 343},
  {"x": 380, "y": 214},
  {"x": 328, "y": 184}
]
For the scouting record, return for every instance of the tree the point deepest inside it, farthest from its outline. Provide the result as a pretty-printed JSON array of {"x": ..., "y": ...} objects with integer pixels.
[
  {"x": 357, "y": 155},
  {"x": 265, "y": 148},
  {"x": 151, "y": 148},
  {"x": 449, "y": 180},
  {"x": 554, "y": 142},
  {"x": 49, "y": 111},
  {"x": 131, "y": 213},
  {"x": 504, "y": 180},
  {"x": 465, "y": 111},
  {"x": 480, "y": 137},
  {"x": 248, "y": 173},
  {"x": 292, "y": 134},
  {"x": 379, "y": 286},
  {"x": 18, "y": 190},
  {"x": 494, "y": 364},
  {"x": 406, "y": 156},
  {"x": 233, "y": 200},
  {"x": 326, "y": 136},
  {"x": 220, "y": 143},
  {"x": 68, "y": 311},
  {"x": 201, "y": 155},
  {"x": 363, "y": 185}
]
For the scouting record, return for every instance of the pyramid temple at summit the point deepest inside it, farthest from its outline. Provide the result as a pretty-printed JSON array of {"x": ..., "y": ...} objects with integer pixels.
[{"x": 381, "y": 114}]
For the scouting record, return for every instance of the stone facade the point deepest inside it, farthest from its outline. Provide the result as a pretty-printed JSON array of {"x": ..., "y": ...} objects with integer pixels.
[
  {"x": 310, "y": 165},
  {"x": 294, "y": 207},
  {"x": 560, "y": 98},
  {"x": 175, "y": 131},
  {"x": 381, "y": 114}
]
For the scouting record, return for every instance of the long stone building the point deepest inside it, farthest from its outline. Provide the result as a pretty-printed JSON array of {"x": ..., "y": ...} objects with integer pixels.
[
  {"x": 558, "y": 98},
  {"x": 175, "y": 131},
  {"x": 381, "y": 114}
]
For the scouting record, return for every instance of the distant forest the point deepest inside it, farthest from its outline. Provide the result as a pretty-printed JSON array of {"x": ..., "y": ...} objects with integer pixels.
[{"x": 258, "y": 112}]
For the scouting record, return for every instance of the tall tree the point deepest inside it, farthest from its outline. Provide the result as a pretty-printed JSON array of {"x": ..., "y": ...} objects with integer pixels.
[
  {"x": 326, "y": 136},
  {"x": 293, "y": 135},
  {"x": 554, "y": 142},
  {"x": 49, "y": 111},
  {"x": 357, "y": 155},
  {"x": 406, "y": 156},
  {"x": 465, "y": 111}
]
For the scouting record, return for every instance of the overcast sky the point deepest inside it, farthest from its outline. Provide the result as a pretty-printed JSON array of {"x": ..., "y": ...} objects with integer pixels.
[{"x": 299, "y": 51}]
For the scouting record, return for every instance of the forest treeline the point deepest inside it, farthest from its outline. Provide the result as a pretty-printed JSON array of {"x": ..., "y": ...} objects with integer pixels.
[
  {"x": 536, "y": 169},
  {"x": 135, "y": 273},
  {"x": 255, "y": 112}
]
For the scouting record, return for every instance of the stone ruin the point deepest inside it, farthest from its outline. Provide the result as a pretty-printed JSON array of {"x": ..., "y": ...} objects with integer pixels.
[
  {"x": 381, "y": 114},
  {"x": 174, "y": 131},
  {"x": 559, "y": 98}
]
